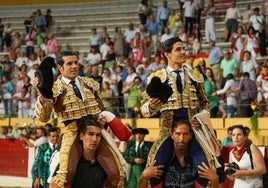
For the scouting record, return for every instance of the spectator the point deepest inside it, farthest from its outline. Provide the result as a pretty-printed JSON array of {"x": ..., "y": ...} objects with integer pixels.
[
  {"x": 262, "y": 84},
  {"x": 231, "y": 20},
  {"x": 104, "y": 35},
  {"x": 49, "y": 21},
  {"x": 228, "y": 65},
  {"x": 134, "y": 92},
  {"x": 7, "y": 93},
  {"x": 162, "y": 15},
  {"x": 249, "y": 65},
  {"x": 94, "y": 39},
  {"x": 227, "y": 141},
  {"x": 153, "y": 26},
  {"x": 23, "y": 100},
  {"x": 209, "y": 89},
  {"x": 30, "y": 41},
  {"x": 252, "y": 42},
  {"x": 94, "y": 57},
  {"x": 237, "y": 43},
  {"x": 247, "y": 94},
  {"x": 7, "y": 34},
  {"x": 136, "y": 154},
  {"x": 1, "y": 35},
  {"x": 119, "y": 44},
  {"x": 42, "y": 160},
  {"x": 190, "y": 9},
  {"x": 257, "y": 21},
  {"x": 52, "y": 46},
  {"x": 166, "y": 35},
  {"x": 143, "y": 11},
  {"x": 231, "y": 98},
  {"x": 129, "y": 34},
  {"x": 214, "y": 60},
  {"x": 210, "y": 14},
  {"x": 251, "y": 165}
]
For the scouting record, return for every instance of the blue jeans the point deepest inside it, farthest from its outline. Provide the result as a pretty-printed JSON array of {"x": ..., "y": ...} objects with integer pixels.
[{"x": 8, "y": 107}]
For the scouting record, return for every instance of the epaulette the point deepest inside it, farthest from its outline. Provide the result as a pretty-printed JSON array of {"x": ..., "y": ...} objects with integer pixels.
[
  {"x": 90, "y": 82},
  {"x": 57, "y": 88},
  {"x": 162, "y": 74},
  {"x": 196, "y": 76}
]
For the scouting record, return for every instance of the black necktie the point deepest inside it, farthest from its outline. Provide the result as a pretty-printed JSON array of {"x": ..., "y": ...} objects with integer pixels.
[
  {"x": 138, "y": 150},
  {"x": 76, "y": 90},
  {"x": 53, "y": 147},
  {"x": 178, "y": 81}
]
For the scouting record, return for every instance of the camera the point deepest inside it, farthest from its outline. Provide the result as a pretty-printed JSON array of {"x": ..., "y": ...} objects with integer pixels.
[{"x": 231, "y": 168}]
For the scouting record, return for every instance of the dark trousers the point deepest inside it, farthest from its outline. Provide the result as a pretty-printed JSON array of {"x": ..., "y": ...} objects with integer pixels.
[
  {"x": 231, "y": 26},
  {"x": 189, "y": 21},
  {"x": 245, "y": 108}
]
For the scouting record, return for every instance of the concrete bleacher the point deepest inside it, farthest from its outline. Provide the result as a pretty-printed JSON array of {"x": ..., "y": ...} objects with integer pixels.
[{"x": 73, "y": 21}]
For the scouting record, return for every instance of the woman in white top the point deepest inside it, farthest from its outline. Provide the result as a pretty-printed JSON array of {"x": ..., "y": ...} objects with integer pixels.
[{"x": 246, "y": 176}]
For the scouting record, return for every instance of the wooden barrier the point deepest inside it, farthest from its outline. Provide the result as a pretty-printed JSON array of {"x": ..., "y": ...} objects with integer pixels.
[{"x": 219, "y": 124}]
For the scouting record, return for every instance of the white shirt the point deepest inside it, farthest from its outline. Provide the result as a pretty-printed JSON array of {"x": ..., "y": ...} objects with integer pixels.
[
  {"x": 77, "y": 83},
  {"x": 93, "y": 58}
]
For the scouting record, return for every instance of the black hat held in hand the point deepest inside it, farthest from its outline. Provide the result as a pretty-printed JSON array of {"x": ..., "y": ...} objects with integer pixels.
[
  {"x": 157, "y": 89},
  {"x": 45, "y": 77}
]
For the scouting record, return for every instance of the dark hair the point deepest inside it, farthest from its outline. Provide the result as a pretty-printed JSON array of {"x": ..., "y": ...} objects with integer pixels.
[
  {"x": 230, "y": 128},
  {"x": 51, "y": 130},
  {"x": 181, "y": 122},
  {"x": 246, "y": 74},
  {"x": 42, "y": 129},
  {"x": 60, "y": 60},
  {"x": 167, "y": 46},
  {"x": 88, "y": 122},
  {"x": 230, "y": 76},
  {"x": 241, "y": 127},
  {"x": 246, "y": 51},
  {"x": 137, "y": 77}
]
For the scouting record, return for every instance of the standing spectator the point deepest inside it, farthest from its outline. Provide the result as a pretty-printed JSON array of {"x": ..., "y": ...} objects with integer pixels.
[
  {"x": 181, "y": 3},
  {"x": 29, "y": 22},
  {"x": 40, "y": 20},
  {"x": 173, "y": 21},
  {"x": 210, "y": 14},
  {"x": 227, "y": 141},
  {"x": 247, "y": 93},
  {"x": 162, "y": 15},
  {"x": 94, "y": 39},
  {"x": 197, "y": 41},
  {"x": 252, "y": 42},
  {"x": 42, "y": 160},
  {"x": 228, "y": 66},
  {"x": 104, "y": 35},
  {"x": 153, "y": 26},
  {"x": 231, "y": 20},
  {"x": 107, "y": 95},
  {"x": 7, "y": 93},
  {"x": 246, "y": 14},
  {"x": 190, "y": 9},
  {"x": 21, "y": 74},
  {"x": 257, "y": 21},
  {"x": 231, "y": 97},
  {"x": 30, "y": 41},
  {"x": 148, "y": 47},
  {"x": 104, "y": 49},
  {"x": 52, "y": 46},
  {"x": 214, "y": 60},
  {"x": 209, "y": 89},
  {"x": 136, "y": 154},
  {"x": 249, "y": 65},
  {"x": 111, "y": 79},
  {"x": 23, "y": 103},
  {"x": 237, "y": 43},
  {"x": 1, "y": 35},
  {"x": 143, "y": 11},
  {"x": 262, "y": 83},
  {"x": 129, "y": 34},
  {"x": 134, "y": 92},
  {"x": 7, "y": 34},
  {"x": 49, "y": 21},
  {"x": 200, "y": 8},
  {"x": 137, "y": 46},
  {"x": 16, "y": 44},
  {"x": 119, "y": 44}
]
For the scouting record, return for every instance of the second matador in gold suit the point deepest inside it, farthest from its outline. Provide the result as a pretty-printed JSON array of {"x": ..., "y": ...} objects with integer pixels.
[
  {"x": 72, "y": 109},
  {"x": 185, "y": 103}
]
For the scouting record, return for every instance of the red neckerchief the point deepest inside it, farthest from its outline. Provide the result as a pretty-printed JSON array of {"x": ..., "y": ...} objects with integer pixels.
[
  {"x": 239, "y": 153},
  {"x": 264, "y": 76}
]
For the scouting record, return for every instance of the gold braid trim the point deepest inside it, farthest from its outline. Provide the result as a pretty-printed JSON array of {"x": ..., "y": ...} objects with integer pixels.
[{"x": 121, "y": 182}]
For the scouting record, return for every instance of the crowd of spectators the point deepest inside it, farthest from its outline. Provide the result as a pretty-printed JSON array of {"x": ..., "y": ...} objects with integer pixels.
[{"x": 116, "y": 60}]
